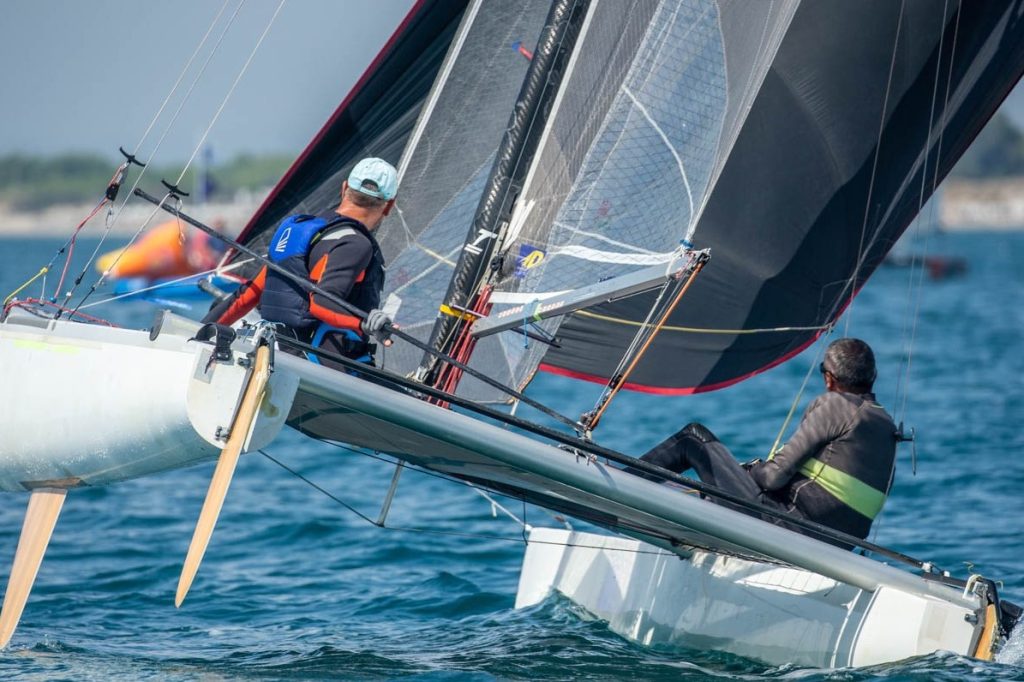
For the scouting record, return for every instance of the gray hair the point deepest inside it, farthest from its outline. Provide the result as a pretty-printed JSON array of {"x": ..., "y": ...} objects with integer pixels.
[
  {"x": 364, "y": 200},
  {"x": 851, "y": 362}
]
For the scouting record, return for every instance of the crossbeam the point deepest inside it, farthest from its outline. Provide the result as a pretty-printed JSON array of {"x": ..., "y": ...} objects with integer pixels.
[{"x": 562, "y": 303}]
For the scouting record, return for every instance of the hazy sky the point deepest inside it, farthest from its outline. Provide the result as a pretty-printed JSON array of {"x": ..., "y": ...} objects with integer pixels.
[{"x": 90, "y": 75}]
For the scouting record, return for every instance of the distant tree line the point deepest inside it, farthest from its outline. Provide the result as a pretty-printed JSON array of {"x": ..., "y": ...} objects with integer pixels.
[
  {"x": 997, "y": 152},
  {"x": 31, "y": 183}
]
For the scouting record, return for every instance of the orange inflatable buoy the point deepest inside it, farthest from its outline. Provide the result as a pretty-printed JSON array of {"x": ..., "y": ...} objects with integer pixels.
[{"x": 163, "y": 251}]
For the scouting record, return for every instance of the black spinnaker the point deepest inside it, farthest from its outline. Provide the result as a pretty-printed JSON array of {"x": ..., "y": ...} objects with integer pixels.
[{"x": 864, "y": 110}]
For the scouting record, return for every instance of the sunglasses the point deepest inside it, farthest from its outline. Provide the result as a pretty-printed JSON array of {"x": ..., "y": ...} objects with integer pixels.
[{"x": 821, "y": 368}]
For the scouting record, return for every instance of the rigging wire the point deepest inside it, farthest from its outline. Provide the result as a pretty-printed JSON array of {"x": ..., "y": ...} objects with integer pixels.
[
  {"x": 103, "y": 276},
  {"x": 396, "y": 332},
  {"x": 231, "y": 90},
  {"x": 109, "y": 199},
  {"x": 638, "y": 348},
  {"x": 36, "y": 305},
  {"x": 206, "y": 133},
  {"x": 515, "y": 154},
  {"x": 112, "y": 220},
  {"x": 519, "y": 540},
  {"x": 170, "y": 283},
  {"x": 796, "y": 401},
  {"x": 181, "y": 77},
  {"x": 591, "y": 449},
  {"x": 934, "y": 183},
  {"x": 68, "y": 245},
  {"x": 861, "y": 250},
  {"x": 908, "y": 345}
]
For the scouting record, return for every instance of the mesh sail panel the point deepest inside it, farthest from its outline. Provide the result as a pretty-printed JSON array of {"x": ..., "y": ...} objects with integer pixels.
[
  {"x": 619, "y": 183},
  {"x": 637, "y": 133},
  {"x": 449, "y": 159}
]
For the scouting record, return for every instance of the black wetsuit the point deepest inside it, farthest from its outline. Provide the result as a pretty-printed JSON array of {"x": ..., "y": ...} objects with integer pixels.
[{"x": 835, "y": 470}]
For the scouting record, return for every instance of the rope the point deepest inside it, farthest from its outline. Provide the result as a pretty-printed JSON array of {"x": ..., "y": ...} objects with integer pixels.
[
  {"x": 495, "y": 505},
  {"x": 68, "y": 244},
  {"x": 793, "y": 405},
  {"x": 42, "y": 271},
  {"x": 103, "y": 276},
  {"x": 71, "y": 243},
  {"x": 28, "y": 303},
  {"x": 202, "y": 140},
  {"x": 701, "y": 330},
  {"x": 306, "y": 285}
]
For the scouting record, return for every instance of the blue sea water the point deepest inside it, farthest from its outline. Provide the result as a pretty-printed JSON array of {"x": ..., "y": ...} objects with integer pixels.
[{"x": 294, "y": 586}]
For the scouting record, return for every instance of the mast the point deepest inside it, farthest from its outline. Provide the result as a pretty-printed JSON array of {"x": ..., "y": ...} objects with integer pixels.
[{"x": 514, "y": 157}]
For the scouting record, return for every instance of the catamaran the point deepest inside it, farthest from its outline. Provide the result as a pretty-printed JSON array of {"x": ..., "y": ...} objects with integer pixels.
[{"x": 658, "y": 195}]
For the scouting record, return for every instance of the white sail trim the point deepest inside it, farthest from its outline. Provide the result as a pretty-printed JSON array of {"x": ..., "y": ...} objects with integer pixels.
[
  {"x": 668, "y": 143},
  {"x": 597, "y": 256}
]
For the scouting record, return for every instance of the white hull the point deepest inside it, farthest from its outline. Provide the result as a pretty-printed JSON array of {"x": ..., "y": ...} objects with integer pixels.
[
  {"x": 89, "y": 405},
  {"x": 762, "y": 611}
]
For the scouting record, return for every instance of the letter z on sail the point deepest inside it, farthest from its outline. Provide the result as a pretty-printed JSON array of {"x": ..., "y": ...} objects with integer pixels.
[{"x": 474, "y": 246}]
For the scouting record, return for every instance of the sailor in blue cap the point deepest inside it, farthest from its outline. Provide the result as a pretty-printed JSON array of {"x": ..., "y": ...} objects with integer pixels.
[{"x": 337, "y": 251}]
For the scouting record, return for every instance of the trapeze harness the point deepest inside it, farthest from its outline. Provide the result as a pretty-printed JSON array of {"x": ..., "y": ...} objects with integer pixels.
[{"x": 340, "y": 255}]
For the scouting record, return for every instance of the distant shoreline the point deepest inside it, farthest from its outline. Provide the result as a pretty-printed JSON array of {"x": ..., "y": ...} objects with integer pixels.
[
  {"x": 981, "y": 205},
  {"x": 61, "y": 220}
]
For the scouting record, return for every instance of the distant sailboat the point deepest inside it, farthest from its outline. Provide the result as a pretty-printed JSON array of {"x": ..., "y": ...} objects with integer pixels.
[{"x": 667, "y": 196}]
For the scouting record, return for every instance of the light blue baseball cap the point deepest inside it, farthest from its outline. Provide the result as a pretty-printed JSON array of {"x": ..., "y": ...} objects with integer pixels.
[{"x": 374, "y": 177}]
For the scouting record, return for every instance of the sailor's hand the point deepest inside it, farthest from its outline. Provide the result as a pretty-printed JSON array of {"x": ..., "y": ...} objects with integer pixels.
[
  {"x": 751, "y": 464},
  {"x": 378, "y": 325}
]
